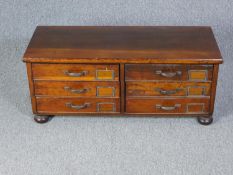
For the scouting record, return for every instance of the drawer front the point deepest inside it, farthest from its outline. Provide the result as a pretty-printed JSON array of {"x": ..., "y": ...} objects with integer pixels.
[
  {"x": 168, "y": 106},
  {"x": 77, "y": 89},
  {"x": 139, "y": 89},
  {"x": 175, "y": 72},
  {"x": 80, "y": 105},
  {"x": 75, "y": 72}
]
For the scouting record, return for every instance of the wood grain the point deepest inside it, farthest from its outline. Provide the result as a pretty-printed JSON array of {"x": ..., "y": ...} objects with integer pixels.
[{"x": 123, "y": 44}]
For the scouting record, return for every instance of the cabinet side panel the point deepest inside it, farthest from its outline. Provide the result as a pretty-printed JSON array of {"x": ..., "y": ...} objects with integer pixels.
[
  {"x": 31, "y": 87},
  {"x": 213, "y": 88}
]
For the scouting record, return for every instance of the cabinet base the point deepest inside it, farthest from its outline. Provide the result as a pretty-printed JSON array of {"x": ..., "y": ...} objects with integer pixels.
[{"x": 45, "y": 118}]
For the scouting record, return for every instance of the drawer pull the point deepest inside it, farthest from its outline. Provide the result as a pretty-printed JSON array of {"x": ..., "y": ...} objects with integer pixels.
[
  {"x": 167, "y": 92},
  {"x": 85, "y": 105},
  {"x": 168, "y": 108},
  {"x": 76, "y": 91},
  {"x": 168, "y": 74},
  {"x": 73, "y": 74}
]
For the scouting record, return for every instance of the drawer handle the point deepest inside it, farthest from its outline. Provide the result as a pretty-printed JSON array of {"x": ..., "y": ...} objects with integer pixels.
[
  {"x": 167, "y": 92},
  {"x": 76, "y": 91},
  {"x": 168, "y": 74},
  {"x": 168, "y": 108},
  {"x": 73, "y": 74},
  {"x": 78, "y": 107}
]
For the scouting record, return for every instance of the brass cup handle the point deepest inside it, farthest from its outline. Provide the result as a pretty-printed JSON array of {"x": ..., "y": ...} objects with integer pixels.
[
  {"x": 168, "y": 108},
  {"x": 167, "y": 92},
  {"x": 78, "y": 107},
  {"x": 75, "y": 74},
  {"x": 168, "y": 74},
  {"x": 76, "y": 91}
]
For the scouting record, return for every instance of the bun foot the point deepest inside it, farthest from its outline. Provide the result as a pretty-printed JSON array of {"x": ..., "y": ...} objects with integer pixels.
[
  {"x": 42, "y": 119},
  {"x": 205, "y": 120}
]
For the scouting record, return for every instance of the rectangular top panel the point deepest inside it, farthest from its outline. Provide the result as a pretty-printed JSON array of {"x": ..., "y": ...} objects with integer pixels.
[{"x": 123, "y": 44}]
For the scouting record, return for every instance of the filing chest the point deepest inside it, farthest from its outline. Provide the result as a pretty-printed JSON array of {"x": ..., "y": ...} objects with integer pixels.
[{"x": 133, "y": 71}]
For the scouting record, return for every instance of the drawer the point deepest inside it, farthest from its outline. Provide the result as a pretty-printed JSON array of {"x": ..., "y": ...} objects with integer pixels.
[
  {"x": 77, "y": 105},
  {"x": 75, "y": 72},
  {"x": 138, "y": 88},
  {"x": 77, "y": 89},
  {"x": 168, "y": 106},
  {"x": 175, "y": 72}
]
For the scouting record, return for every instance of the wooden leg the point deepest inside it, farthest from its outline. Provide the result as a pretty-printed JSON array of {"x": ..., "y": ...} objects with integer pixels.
[
  {"x": 205, "y": 120},
  {"x": 42, "y": 118}
]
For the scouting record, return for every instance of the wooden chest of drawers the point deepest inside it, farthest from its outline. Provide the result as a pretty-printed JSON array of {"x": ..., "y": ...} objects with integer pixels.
[{"x": 142, "y": 71}]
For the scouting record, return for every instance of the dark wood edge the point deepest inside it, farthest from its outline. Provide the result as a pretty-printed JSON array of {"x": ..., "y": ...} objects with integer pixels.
[
  {"x": 124, "y": 114},
  {"x": 213, "y": 87},
  {"x": 123, "y": 60},
  {"x": 31, "y": 87}
]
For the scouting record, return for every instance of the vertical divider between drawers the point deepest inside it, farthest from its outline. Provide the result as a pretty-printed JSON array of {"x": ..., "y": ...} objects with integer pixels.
[{"x": 122, "y": 87}]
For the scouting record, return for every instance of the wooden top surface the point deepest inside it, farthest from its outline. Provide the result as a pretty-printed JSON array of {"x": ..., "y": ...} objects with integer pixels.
[{"x": 123, "y": 44}]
